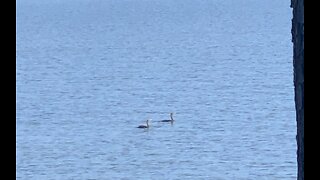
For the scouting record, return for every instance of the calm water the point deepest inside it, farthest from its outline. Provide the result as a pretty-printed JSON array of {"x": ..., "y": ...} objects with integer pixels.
[{"x": 89, "y": 71}]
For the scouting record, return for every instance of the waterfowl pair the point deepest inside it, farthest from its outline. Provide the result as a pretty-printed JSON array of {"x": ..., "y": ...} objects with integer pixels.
[{"x": 144, "y": 126}]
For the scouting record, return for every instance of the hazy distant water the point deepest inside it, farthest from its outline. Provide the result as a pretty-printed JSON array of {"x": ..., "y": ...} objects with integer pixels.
[{"x": 89, "y": 71}]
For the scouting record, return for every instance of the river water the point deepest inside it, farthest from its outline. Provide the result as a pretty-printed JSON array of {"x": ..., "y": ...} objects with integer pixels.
[{"x": 89, "y": 71}]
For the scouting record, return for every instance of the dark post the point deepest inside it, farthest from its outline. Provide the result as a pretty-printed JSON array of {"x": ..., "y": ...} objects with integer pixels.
[{"x": 298, "y": 65}]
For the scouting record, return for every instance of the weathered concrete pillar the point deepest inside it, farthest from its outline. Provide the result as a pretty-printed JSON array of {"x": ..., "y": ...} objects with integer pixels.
[{"x": 298, "y": 64}]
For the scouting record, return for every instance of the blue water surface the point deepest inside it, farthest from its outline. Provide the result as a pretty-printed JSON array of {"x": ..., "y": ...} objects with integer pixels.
[{"x": 89, "y": 71}]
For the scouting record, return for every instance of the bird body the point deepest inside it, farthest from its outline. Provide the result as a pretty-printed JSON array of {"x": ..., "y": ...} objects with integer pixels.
[
  {"x": 144, "y": 125},
  {"x": 169, "y": 120}
]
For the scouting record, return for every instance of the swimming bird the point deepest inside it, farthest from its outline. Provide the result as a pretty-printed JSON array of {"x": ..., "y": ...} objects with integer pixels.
[
  {"x": 144, "y": 125},
  {"x": 169, "y": 120}
]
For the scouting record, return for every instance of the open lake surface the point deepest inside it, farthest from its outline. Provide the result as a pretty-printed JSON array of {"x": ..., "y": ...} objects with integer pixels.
[{"x": 88, "y": 72}]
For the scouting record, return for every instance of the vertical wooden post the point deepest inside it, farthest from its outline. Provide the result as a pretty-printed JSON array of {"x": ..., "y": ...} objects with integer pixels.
[{"x": 298, "y": 65}]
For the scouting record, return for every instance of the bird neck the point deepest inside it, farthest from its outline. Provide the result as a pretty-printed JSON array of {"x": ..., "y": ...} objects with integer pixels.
[{"x": 171, "y": 116}]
